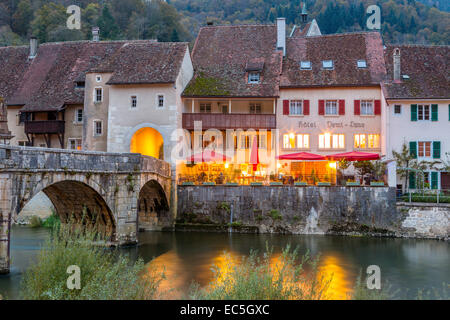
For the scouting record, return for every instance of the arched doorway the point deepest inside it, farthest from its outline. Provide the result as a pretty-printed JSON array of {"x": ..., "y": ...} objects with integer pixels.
[
  {"x": 149, "y": 142},
  {"x": 153, "y": 207}
]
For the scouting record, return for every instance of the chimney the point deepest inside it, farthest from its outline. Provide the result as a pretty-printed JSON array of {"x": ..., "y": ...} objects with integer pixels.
[
  {"x": 33, "y": 47},
  {"x": 281, "y": 35},
  {"x": 397, "y": 68},
  {"x": 95, "y": 34}
]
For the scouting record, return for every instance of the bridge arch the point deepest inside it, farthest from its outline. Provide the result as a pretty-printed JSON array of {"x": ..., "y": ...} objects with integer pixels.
[{"x": 153, "y": 207}]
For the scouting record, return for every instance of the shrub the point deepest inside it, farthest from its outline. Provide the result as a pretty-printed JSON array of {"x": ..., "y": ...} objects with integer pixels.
[
  {"x": 35, "y": 222},
  {"x": 361, "y": 292},
  {"x": 266, "y": 278},
  {"x": 52, "y": 222},
  {"x": 275, "y": 214},
  {"x": 104, "y": 274}
]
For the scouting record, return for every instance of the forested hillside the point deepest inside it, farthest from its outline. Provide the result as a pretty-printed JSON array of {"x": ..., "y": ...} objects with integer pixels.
[{"x": 403, "y": 21}]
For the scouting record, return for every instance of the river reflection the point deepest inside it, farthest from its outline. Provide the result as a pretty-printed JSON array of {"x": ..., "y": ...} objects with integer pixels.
[{"x": 406, "y": 264}]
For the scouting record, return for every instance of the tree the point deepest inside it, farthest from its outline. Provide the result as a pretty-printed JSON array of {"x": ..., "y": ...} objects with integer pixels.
[
  {"x": 107, "y": 24},
  {"x": 48, "y": 18},
  {"x": 364, "y": 168},
  {"x": 22, "y": 18},
  {"x": 403, "y": 160}
]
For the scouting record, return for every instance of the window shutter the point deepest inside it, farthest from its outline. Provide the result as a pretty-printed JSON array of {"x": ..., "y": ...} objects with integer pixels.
[
  {"x": 413, "y": 149},
  {"x": 434, "y": 112},
  {"x": 412, "y": 180},
  {"x": 321, "y": 107},
  {"x": 377, "y": 107},
  {"x": 286, "y": 107},
  {"x": 434, "y": 180},
  {"x": 341, "y": 107},
  {"x": 414, "y": 112},
  {"x": 449, "y": 112},
  {"x": 306, "y": 107},
  {"x": 357, "y": 107},
  {"x": 436, "y": 149}
]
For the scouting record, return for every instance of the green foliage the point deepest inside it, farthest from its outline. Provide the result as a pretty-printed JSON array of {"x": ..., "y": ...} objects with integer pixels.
[
  {"x": 203, "y": 85},
  {"x": 361, "y": 292},
  {"x": 52, "y": 222},
  {"x": 104, "y": 275},
  {"x": 265, "y": 278},
  {"x": 35, "y": 222},
  {"x": 224, "y": 206},
  {"x": 427, "y": 198},
  {"x": 275, "y": 214}
]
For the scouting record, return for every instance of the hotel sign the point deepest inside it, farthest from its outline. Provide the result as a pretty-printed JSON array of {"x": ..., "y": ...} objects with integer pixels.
[{"x": 331, "y": 124}]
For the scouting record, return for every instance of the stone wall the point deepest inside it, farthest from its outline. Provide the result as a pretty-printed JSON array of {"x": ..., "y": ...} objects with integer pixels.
[
  {"x": 289, "y": 209},
  {"x": 425, "y": 220}
]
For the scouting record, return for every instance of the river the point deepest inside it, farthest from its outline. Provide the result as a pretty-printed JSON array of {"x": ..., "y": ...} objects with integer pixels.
[{"x": 406, "y": 264}]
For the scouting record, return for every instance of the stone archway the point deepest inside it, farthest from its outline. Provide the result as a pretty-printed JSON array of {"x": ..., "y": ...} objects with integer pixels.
[
  {"x": 148, "y": 142},
  {"x": 153, "y": 207}
]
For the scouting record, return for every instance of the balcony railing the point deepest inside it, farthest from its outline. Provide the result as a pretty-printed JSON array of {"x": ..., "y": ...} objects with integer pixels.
[
  {"x": 44, "y": 127},
  {"x": 222, "y": 121}
]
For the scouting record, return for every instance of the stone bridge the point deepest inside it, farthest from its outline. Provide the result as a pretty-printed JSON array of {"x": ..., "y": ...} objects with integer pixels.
[{"x": 118, "y": 192}]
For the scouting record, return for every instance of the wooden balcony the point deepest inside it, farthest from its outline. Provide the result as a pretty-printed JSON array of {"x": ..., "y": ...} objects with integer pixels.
[
  {"x": 222, "y": 121},
  {"x": 45, "y": 127}
]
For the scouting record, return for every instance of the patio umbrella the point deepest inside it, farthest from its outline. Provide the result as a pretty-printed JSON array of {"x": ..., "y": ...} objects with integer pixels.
[
  {"x": 207, "y": 156},
  {"x": 301, "y": 156},
  {"x": 254, "y": 157},
  {"x": 353, "y": 156}
]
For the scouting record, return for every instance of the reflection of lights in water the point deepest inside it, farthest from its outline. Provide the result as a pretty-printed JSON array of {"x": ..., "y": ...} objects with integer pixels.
[{"x": 340, "y": 286}]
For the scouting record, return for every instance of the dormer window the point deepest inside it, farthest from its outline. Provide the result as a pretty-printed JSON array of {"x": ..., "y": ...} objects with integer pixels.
[
  {"x": 327, "y": 64},
  {"x": 305, "y": 65},
  {"x": 362, "y": 64},
  {"x": 253, "y": 77},
  {"x": 79, "y": 85}
]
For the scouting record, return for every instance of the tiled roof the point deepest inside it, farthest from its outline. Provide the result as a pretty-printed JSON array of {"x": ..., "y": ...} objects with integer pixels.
[
  {"x": 13, "y": 64},
  {"x": 344, "y": 49},
  {"x": 427, "y": 68},
  {"x": 145, "y": 63},
  {"x": 221, "y": 55}
]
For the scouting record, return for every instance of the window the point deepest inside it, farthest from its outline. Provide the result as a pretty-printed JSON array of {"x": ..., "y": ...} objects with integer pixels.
[
  {"x": 397, "y": 109},
  {"x": 327, "y": 64},
  {"x": 262, "y": 141},
  {"x": 74, "y": 144},
  {"x": 305, "y": 65},
  {"x": 98, "y": 95},
  {"x": 302, "y": 141},
  {"x": 255, "y": 108},
  {"x": 296, "y": 107},
  {"x": 366, "y": 107},
  {"x": 253, "y": 77},
  {"x": 98, "y": 130},
  {"x": 205, "y": 107},
  {"x": 22, "y": 143},
  {"x": 79, "y": 116},
  {"x": 331, "y": 107},
  {"x": 370, "y": 141},
  {"x": 289, "y": 141},
  {"x": 98, "y": 78},
  {"x": 245, "y": 141},
  {"x": 160, "y": 101},
  {"x": 362, "y": 64},
  {"x": 424, "y": 149},
  {"x": 79, "y": 85},
  {"x": 224, "y": 108},
  {"x": 423, "y": 112},
  {"x": 133, "y": 101},
  {"x": 331, "y": 141}
]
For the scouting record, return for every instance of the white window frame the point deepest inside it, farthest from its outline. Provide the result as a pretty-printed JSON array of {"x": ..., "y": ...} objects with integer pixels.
[
  {"x": 134, "y": 102},
  {"x": 401, "y": 107},
  {"x": 254, "y": 77},
  {"x": 256, "y": 106},
  {"x": 364, "y": 107},
  {"x": 95, "y": 127},
  {"x": 424, "y": 107},
  {"x": 305, "y": 65},
  {"x": 331, "y": 105},
  {"x": 328, "y": 64},
  {"x": 332, "y": 141},
  {"x": 69, "y": 140},
  {"x": 95, "y": 95},
  {"x": 358, "y": 137},
  {"x": 76, "y": 120},
  {"x": 424, "y": 149},
  {"x": 302, "y": 141},
  {"x": 361, "y": 64},
  {"x": 205, "y": 104},
  {"x": 296, "y": 107},
  {"x": 158, "y": 96}
]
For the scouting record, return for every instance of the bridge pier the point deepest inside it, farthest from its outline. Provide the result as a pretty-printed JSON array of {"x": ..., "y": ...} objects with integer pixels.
[{"x": 5, "y": 223}]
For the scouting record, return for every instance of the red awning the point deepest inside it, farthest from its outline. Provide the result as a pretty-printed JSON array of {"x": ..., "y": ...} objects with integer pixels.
[
  {"x": 354, "y": 156},
  {"x": 207, "y": 156},
  {"x": 301, "y": 156}
]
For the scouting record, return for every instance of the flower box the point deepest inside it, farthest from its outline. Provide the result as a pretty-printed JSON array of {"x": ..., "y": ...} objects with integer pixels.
[
  {"x": 209, "y": 184},
  {"x": 276, "y": 183},
  {"x": 376, "y": 184},
  {"x": 232, "y": 184},
  {"x": 187, "y": 183},
  {"x": 324, "y": 184},
  {"x": 300, "y": 184},
  {"x": 256, "y": 183},
  {"x": 352, "y": 184}
]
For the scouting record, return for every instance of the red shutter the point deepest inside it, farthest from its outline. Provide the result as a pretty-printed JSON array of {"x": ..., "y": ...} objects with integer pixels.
[
  {"x": 321, "y": 107},
  {"x": 357, "y": 107},
  {"x": 341, "y": 107},
  {"x": 306, "y": 107},
  {"x": 286, "y": 107},
  {"x": 377, "y": 107}
]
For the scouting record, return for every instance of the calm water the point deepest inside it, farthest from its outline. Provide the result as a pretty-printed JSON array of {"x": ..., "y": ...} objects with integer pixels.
[{"x": 406, "y": 264}]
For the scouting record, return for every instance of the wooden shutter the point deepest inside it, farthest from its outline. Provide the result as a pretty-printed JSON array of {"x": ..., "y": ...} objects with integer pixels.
[
  {"x": 414, "y": 112},
  {"x": 434, "y": 112},
  {"x": 377, "y": 107},
  {"x": 436, "y": 149},
  {"x": 341, "y": 107},
  {"x": 434, "y": 180},
  {"x": 413, "y": 149},
  {"x": 286, "y": 107},
  {"x": 412, "y": 180},
  {"x": 306, "y": 107},
  {"x": 357, "y": 107},
  {"x": 321, "y": 107}
]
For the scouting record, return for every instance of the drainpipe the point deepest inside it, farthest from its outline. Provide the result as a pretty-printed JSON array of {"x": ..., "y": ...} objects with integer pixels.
[{"x": 230, "y": 229}]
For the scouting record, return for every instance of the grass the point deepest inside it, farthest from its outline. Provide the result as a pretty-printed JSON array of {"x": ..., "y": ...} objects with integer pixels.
[{"x": 105, "y": 275}]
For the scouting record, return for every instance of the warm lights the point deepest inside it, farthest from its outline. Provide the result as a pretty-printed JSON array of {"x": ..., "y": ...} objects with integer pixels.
[
  {"x": 227, "y": 165},
  {"x": 332, "y": 165}
]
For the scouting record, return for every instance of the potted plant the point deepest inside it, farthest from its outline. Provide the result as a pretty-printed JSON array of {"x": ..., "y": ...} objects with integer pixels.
[{"x": 352, "y": 183}]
